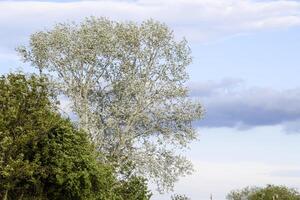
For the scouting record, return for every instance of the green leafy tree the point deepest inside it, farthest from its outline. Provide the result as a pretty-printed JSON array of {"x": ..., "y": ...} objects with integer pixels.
[
  {"x": 126, "y": 83},
  {"x": 270, "y": 192},
  {"x": 42, "y": 155}
]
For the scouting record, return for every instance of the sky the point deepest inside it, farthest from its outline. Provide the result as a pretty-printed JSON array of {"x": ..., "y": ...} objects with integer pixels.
[{"x": 245, "y": 72}]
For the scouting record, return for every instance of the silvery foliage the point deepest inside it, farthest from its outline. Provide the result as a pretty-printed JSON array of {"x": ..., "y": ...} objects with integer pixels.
[
  {"x": 126, "y": 84},
  {"x": 179, "y": 197}
]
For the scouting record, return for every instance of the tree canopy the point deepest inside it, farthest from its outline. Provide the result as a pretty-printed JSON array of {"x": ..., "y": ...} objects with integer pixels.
[
  {"x": 126, "y": 83},
  {"x": 43, "y": 156}
]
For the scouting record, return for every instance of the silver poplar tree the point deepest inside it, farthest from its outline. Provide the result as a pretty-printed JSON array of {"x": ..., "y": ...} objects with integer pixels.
[{"x": 126, "y": 83}]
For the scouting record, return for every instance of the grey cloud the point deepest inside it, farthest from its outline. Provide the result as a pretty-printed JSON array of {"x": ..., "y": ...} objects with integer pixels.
[
  {"x": 211, "y": 87},
  {"x": 229, "y": 103},
  {"x": 292, "y": 126}
]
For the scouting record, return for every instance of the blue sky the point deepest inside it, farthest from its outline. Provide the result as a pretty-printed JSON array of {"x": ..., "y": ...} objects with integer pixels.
[{"x": 245, "y": 71}]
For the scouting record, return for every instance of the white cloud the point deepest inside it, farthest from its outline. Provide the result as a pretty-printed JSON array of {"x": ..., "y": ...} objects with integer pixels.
[{"x": 198, "y": 20}]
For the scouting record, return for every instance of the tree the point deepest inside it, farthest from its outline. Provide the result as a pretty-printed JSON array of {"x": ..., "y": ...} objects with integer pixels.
[
  {"x": 270, "y": 192},
  {"x": 42, "y": 155},
  {"x": 126, "y": 84},
  {"x": 242, "y": 194}
]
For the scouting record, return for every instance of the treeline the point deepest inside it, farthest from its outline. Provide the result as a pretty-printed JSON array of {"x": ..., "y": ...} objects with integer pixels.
[{"x": 269, "y": 192}]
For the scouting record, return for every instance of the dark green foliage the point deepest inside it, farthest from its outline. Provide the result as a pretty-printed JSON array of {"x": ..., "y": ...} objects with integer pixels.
[
  {"x": 270, "y": 192},
  {"x": 42, "y": 155},
  {"x": 134, "y": 188}
]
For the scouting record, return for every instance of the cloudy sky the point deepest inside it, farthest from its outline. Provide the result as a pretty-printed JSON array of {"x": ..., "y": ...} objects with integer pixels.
[{"x": 245, "y": 71}]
